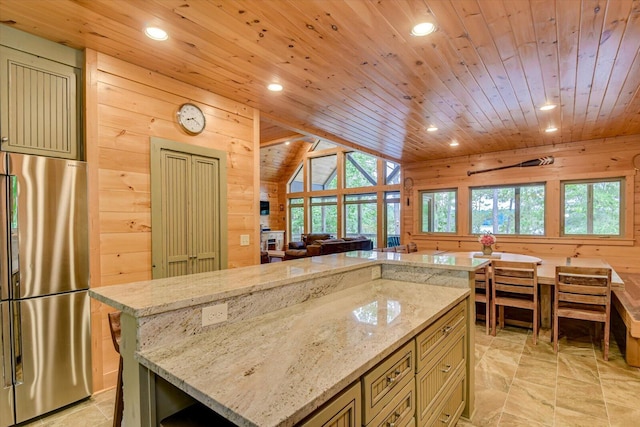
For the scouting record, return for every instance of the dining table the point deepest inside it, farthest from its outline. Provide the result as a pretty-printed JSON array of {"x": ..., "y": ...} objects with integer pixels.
[{"x": 546, "y": 273}]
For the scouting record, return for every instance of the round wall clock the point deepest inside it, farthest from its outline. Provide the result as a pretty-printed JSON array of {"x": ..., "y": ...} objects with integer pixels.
[{"x": 191, "y": 118}]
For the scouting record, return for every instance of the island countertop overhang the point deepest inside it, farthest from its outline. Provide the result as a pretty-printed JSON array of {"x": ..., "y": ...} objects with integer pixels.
[{"x": 157, "y": 296}]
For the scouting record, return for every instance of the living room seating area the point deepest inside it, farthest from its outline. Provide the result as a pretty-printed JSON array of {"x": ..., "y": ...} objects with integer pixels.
[{"x": 324, "y": 244}]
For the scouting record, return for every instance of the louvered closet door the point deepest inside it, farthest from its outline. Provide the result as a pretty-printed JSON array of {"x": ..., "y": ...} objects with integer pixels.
[
  {"x": 205, "y": 214},
  {"x": 38, "y": 105},
  {"x": 176, "y": 195},
  {"x": 190, "y": 213}
]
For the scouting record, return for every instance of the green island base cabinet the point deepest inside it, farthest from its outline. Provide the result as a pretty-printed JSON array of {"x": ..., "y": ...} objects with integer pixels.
[{"x": 351, "y": 339}]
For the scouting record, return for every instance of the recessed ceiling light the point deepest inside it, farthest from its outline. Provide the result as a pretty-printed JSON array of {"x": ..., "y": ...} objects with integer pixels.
[
  {"x": 423, "y": 28},
  {"x": 548, "y": 107},
  {"x": 287, "y": 143},
  {"x": 156, "y": 33},
  {"x": 551, "y": 129},
  {"x": 275, "y": 87},
  {"x": 432, "y": 129},
  {"x": 454, "y": 143}
]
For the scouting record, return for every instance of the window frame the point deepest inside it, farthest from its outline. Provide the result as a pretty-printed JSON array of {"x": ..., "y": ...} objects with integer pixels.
[
  {"x": 421, "y": 208},
  {"x": 346, "y": 203},
  {"x": 517, "y": 208},
  {"x": 622, "y": 182},
  {"x": 333, "y": 203},
  {"x": 293, "y": 204}
]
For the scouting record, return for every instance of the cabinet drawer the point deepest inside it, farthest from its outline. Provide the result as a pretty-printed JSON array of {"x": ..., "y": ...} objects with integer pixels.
[
  {"x": 432, "y": 340},
  {"x": 381, "y": 383},
  {"x": 400, "y": 411},
  {"x": 343, "y": 411},
  {"x": 434, "y": 380},
  {"x": 449, "y": 412}
]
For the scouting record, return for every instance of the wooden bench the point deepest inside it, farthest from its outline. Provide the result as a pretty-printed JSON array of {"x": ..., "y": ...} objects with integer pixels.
[{"x": 627, "y": 304}]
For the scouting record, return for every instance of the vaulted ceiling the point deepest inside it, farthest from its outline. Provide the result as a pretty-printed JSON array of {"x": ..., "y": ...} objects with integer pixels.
[{"x": 353, "y": 74}]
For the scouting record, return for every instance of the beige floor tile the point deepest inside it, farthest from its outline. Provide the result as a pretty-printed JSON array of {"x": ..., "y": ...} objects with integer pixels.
[
  {"x": 480, "y": 350},
  {"x": 494, "y": 374},
  {"x": 568, "y": 418},
  {"x": 489, "y": 405},
  {"x": 531, "y": 401},
  {"x": 542, "y": 350},
  {"x": 87, "y": 416},
  {"x": 614, "y": 369},
  {"x": 507, "y": 343},
  {"x": 512, "y": 333},
  {"x": 622, "y": 392},
  {"x": 621, "y": 416},
  {"x": 510, "y": 420},
  {"x": 578, "y": 368},
  {"x": 580, "y": 396},
  {"x": 537, "y": 371},
  {"x": 503, "y": 356}
]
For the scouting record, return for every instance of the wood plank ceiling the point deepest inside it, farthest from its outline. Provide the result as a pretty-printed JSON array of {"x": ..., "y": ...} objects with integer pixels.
[{"x": 353, "y": 74}]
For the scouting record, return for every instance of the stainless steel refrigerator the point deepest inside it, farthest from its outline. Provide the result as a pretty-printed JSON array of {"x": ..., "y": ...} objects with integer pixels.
[{"x": 45, "y": 357}]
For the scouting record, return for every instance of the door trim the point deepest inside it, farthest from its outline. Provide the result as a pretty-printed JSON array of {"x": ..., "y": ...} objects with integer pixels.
[{"x": 159, "y": 144}]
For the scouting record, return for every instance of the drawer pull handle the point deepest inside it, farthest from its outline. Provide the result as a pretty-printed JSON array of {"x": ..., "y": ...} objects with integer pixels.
[
  {"x": 446, "y": 420},
  {"x": 446, "y": 369},
  {"x": 447, "y": 329},
  {"x": 391, "y": 380}
]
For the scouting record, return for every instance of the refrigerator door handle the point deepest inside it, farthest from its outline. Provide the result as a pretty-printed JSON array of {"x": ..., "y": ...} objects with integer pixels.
[
  {"x": 14, "y": 239},
  {"x": 16, "y": 338}
]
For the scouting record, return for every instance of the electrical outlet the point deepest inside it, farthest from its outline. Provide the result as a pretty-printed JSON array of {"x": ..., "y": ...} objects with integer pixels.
[
  {"x": 244, "y": 240},
  {"x": 214, "y": 314}
]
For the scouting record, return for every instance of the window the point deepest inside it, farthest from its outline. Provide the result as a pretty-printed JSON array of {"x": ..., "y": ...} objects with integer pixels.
[
  {"x": 323, "y": 173},
  {"x": 392, "y": 221},
  {"x": 361, "y": 216},
  {"x": 324, "y": 215},
  {"x": 296, "y": 219},
  {"x": 392, "y": 173},
  {"x": 361, "y": 170},
  {"x": 296, "y": 184},
  {"x": 438, "y": 211},
  {"x": 513, "y": 209},
  {"x": 592, "y": 207}
]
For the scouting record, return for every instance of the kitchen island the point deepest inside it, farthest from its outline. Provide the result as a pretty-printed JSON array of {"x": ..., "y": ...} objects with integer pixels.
[{"x": 296, "y": 334}]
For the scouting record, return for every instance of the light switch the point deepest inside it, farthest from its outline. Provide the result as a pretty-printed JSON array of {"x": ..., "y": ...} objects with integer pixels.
[{"x": 244, "y": 240}]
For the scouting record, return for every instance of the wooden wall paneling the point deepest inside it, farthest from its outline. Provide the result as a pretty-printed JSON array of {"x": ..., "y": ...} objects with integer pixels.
[
  {"x": 603, "y": 158},
  {"x": 98, "y": 316},
  {"x": 126, "y": 105}
]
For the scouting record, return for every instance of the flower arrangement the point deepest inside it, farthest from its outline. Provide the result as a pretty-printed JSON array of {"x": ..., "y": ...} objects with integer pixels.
[{"x": 487, "y": 239}]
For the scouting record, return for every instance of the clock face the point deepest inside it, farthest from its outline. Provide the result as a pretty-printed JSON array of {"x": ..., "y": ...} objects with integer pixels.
[{"x": 191, "y": 118}]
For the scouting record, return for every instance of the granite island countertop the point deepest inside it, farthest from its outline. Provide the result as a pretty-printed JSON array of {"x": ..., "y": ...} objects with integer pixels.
[
  {"x": 277, "y": 368},
  {"x": 152, "y": 297}
]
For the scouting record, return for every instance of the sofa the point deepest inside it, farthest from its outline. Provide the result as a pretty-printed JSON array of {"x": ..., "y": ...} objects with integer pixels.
[{"x": 324, "y": 244}]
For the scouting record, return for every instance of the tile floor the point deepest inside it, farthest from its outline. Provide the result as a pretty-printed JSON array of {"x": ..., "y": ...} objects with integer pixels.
[{"x": 517, "y": 384}]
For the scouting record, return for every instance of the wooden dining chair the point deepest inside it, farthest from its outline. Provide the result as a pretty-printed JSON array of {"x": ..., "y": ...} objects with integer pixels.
[
  {"x": 514, "y": 284},
  {"x": 483, "y": 294},
  {"x": 583, "y": 293}
]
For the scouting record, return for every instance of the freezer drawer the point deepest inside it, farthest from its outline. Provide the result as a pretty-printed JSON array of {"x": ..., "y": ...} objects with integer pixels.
[
  {"x": 6, "y": 385},
  {"x": 54, "y": 353}
]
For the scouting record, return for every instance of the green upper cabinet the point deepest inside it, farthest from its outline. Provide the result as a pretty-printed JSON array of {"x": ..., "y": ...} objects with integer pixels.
[{"x": 40, "y": 100}]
